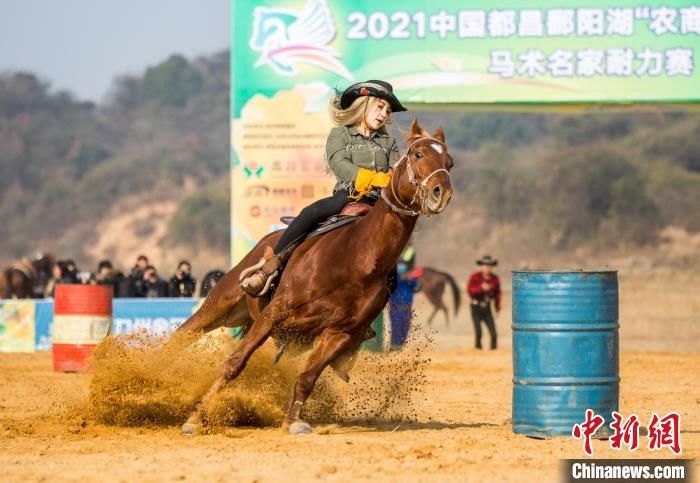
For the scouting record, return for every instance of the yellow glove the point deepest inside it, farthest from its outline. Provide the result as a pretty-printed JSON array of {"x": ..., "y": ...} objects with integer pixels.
[{"x": 367, "y": 179}]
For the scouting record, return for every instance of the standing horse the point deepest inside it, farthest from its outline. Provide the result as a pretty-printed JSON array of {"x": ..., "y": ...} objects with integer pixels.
[
  {"x": 27, "y": 278},
  {"x": 333, "y": 286},
  {"x": 433, "y": 282}
]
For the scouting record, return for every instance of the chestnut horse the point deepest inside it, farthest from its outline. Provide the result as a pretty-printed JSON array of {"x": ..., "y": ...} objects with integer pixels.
[
  {"x": 25, "y": 278},
  {"x": 333, "y": 286},
  {"x": 433, "y": 283}
]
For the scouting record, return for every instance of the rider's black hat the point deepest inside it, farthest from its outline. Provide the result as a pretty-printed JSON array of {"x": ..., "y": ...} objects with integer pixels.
[
  {"x": 374, "y": 88},
  {"x": 487, "y": 260}
]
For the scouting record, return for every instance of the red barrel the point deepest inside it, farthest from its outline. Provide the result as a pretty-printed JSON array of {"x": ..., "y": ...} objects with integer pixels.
[{"x": 82, "y": 318}]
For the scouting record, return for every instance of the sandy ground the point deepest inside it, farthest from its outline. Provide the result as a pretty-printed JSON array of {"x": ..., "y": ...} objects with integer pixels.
[{"x": 462, "y": 430}]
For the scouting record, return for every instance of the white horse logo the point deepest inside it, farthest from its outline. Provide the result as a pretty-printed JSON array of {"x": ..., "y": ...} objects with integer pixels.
[{"x": 287, "y": 37}]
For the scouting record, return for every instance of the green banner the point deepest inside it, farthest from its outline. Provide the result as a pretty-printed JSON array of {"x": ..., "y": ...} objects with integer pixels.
[
  {"x": 459, "y": 52},
  {"x": 288, "y": 56}
]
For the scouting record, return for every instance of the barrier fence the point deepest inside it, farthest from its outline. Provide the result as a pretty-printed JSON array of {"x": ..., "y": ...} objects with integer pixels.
[{"x": 26, "y": 325}]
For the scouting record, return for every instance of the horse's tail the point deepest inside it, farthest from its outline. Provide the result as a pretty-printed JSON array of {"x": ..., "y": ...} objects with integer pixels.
[{"x": 456, "y": 294}]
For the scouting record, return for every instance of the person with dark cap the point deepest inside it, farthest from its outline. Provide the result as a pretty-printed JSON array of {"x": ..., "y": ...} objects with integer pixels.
[
  {"x": 484, "y": 288},
  {"x": 360, "y": 153},
  {"x": 108, "y": 275}
]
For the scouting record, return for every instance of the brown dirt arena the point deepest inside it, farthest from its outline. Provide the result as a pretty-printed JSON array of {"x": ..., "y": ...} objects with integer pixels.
[
  {"x": 461, "y": 430},
  {"x": 402, "y": 417}
]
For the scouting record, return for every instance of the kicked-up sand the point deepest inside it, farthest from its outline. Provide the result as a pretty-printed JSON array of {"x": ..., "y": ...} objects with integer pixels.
[{"x": 415, "y": 415}]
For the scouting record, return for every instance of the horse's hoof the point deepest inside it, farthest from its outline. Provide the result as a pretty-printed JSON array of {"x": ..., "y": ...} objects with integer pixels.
[
  {"x": 190, "y": 429},
  {"x": 300, "y": 427},
  {"x": 343, "y": 374}
]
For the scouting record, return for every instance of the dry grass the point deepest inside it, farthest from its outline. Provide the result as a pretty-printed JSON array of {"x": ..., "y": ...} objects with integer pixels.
[{"x": 659, "y": 311}]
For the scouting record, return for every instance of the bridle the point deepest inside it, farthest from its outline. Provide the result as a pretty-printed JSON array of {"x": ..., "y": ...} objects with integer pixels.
[{"x": 421, "y": 193}]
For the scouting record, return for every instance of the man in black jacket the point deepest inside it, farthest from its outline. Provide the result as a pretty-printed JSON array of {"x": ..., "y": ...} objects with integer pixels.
[
  {"x": 108, "y": 275},
  {"x": 136, "y": 277},
  {"x": 153, "y": 285}
]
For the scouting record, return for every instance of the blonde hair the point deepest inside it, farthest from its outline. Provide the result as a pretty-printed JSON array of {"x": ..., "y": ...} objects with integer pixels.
[{"x": 354, "y": 114}]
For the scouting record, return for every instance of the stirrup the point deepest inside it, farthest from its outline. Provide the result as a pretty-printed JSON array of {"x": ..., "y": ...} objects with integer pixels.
[
  {"x": 258, "y": 267},
  {"x": 251, "y": 269},
  {"x": 268, "y": 283},
  {"x": 267, "y": 255},
  {"x": 268, "y": 279}
]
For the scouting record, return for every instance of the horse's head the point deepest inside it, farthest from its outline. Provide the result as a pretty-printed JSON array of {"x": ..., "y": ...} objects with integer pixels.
[{"x": 421, "y": 180}]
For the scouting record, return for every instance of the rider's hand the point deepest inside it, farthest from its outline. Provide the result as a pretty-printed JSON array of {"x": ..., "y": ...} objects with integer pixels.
[
  {"x": 366, "y": 179},
  {"x": 380, "y": 180}
]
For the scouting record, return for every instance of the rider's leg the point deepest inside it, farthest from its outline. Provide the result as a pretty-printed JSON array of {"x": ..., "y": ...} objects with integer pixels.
[{"x": 309, "y": 217}]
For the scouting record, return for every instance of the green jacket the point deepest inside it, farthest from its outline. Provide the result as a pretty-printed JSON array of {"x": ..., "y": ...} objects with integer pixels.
[{"x": 347, "y": 151}]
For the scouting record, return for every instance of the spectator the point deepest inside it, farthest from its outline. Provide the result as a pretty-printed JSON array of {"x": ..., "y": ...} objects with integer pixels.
[
  {"x": 70, "y": 272},
  {"x": 209, "y": 281},
  {"x": 401, "y": 299},
  {"x": 153, "y": 285},
  {"x": 56, "y": 278},
  {"x": 136, "y": 276},
  {"x": 108, "y": 275},
  {"x": 182, "y": 284},
  {"x": 483, "y": 288}
]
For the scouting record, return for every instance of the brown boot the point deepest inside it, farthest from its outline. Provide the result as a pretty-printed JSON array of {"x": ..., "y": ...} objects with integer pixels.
[{"x": 256, "y": 280}]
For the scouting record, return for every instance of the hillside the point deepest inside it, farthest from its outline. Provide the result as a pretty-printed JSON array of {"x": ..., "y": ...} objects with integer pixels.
[
  {"x": 156, "y": 151},
  {"x": 147, "y": 172},
  {"x": 548, "y": 190}
]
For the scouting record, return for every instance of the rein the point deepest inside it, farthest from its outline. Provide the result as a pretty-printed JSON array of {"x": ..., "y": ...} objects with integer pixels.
[{"x": 421, "y": 192}]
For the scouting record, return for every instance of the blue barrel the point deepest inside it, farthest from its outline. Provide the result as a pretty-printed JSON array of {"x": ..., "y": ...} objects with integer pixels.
[{"x": 565, "y": 350}]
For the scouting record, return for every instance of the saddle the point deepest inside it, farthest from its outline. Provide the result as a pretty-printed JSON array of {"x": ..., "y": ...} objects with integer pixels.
[{"x": 349, "y": 214}]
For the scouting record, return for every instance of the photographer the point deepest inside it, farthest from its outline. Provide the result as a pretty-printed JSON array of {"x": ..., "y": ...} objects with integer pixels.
[
  {"x": 137, "y": 278},
  {"x": 153, "y": 285},
  {"x": 182, "y": 284}
]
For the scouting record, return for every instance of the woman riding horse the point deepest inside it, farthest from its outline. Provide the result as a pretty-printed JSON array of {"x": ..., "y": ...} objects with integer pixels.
[
  {"x": 360, "y": 153},
  {"x": 334, "y": 286}
]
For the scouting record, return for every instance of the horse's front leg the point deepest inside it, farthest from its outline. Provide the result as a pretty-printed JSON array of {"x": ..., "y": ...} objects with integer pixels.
[
  {"x": 346, "y": 360},
  {"x": 232, "y": 367},
  {"x": 327, "y": 346}
]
